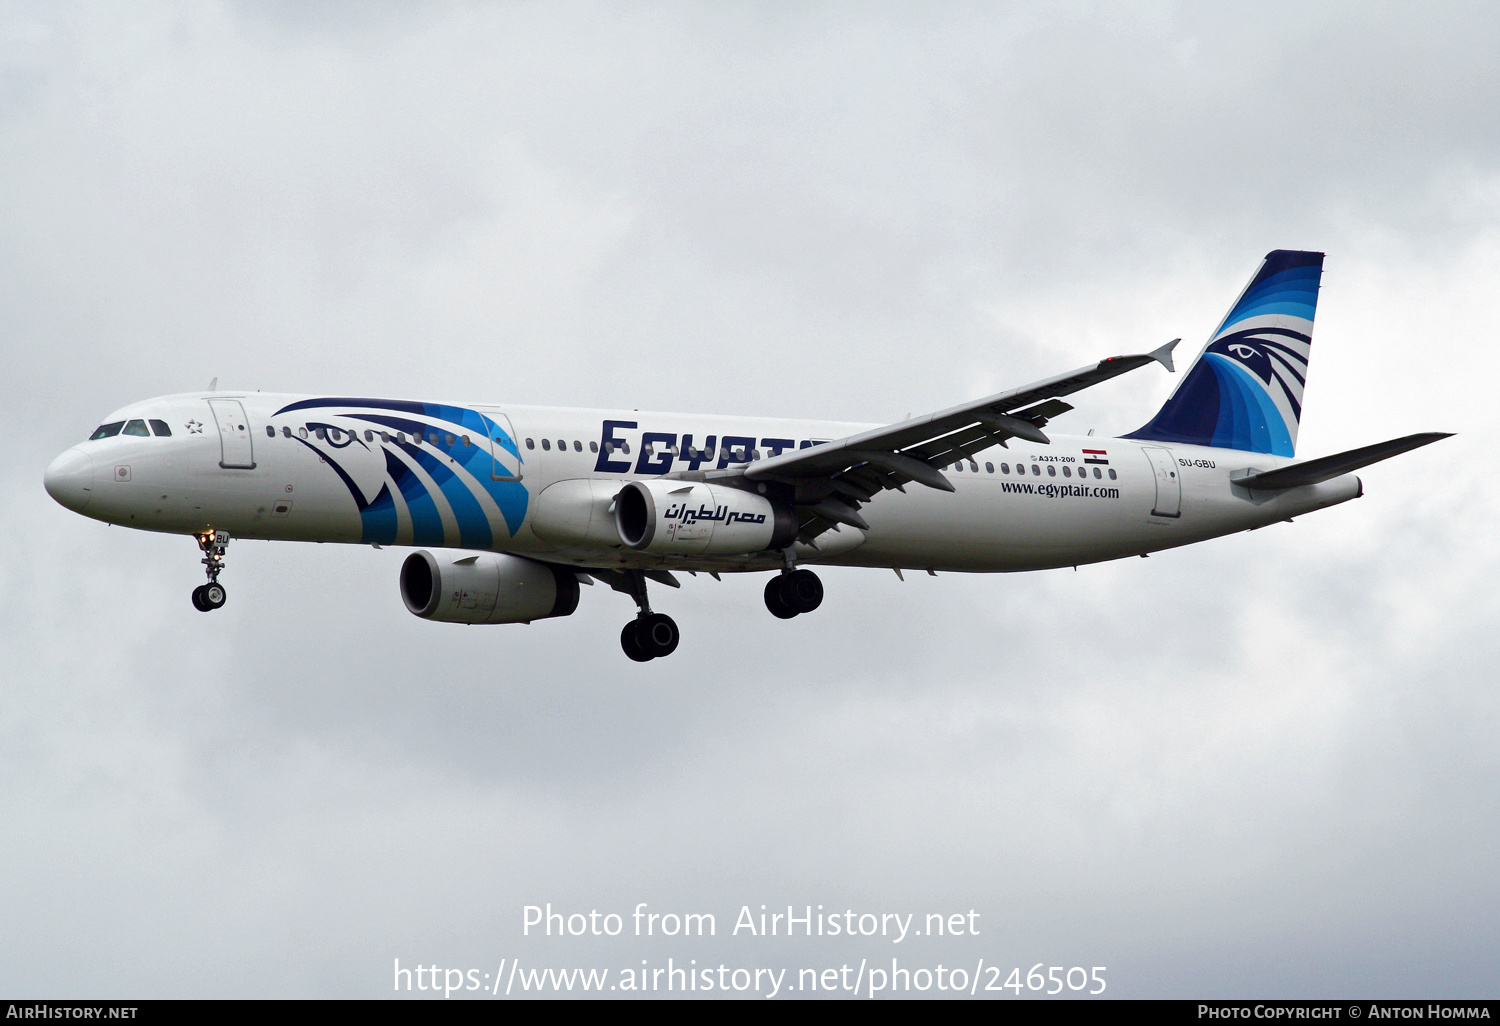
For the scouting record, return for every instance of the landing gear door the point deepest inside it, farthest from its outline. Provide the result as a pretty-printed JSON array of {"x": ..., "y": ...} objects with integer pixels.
[
  {"x": 505, "y": 448},
  {"x": 236, "y": 450},
  {"x": 1168, "y": 483}
]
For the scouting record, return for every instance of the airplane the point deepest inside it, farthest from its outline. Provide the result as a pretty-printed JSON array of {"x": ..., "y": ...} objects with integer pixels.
[{"x": 511, "y": 508}]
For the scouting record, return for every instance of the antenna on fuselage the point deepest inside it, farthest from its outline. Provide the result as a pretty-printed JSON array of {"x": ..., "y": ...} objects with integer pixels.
[{"x": 213, "y": 386}]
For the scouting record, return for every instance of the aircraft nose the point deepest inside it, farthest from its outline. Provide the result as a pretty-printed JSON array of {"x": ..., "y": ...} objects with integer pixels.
[{"x": 70, "y": 479}]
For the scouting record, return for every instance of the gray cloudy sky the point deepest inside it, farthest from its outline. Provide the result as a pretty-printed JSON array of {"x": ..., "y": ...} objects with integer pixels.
[{"x": 1265, "y": 765}]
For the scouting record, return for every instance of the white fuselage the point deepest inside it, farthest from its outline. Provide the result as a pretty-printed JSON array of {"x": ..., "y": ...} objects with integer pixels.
[{"x": 308, "y": 468}]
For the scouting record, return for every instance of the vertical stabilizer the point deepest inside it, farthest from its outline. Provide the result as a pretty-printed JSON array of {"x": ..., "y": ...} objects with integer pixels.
[{"x": 1245, "y": 389}]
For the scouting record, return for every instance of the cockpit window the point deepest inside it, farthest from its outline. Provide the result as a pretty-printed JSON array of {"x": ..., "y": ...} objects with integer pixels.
[
  {"x": 107, "y": 431},
  {"x": 138, "y": 428},
  {"x": 161, "y": 429}
]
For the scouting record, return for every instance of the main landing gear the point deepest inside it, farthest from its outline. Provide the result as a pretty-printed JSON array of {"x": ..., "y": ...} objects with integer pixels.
[
  {"x": 793, "y": 591},
  {"x": 210, "y": 596},
  {"x": 650, "y": 635}
]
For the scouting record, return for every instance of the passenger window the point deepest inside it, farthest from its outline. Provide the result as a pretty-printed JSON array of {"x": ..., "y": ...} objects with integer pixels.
[
  {"x": 1051, "y": 470},
  {"x": 625, "y": 448},
  {"x": 1036, "y": 470},
  {"x": 973, "y": 467},
  {"x": 286, "y": 432},
  {"x": 137, "y": 428},
  {"x": 989, "y": 468},
  {"x": 322, "y": 434},
  {"x": 530, "y": 444},
  {"x": 385, "y": 436},
  {"x": 449, "y": 439},
  {"x": 302, "y": 431},
  {"x": 161, "y": 429},
  {"x": 578, "y": 446},
  {"x": 270, "y": 431},
  {"x": 1111, "y": 473},
  {"x": 1005, "y": 468},
  {"x": 1097, "y": 475},
  {"x": 546, "y": 445},
  {"x": 432, "y": 437},
  {"x": 334, "y": 434},
  {"x": 593, "y": 447},
  {"x": 106, "y": 430},
  {"x": 562, "y": 446},
  {"x": 465, "y": 440},
  {"x": 1067, "y": 472}
]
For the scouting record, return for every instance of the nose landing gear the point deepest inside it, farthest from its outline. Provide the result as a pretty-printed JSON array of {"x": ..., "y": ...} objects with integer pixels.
[
  {"x": 210, "y": 596},
  {"x": 792, "y": 592}
]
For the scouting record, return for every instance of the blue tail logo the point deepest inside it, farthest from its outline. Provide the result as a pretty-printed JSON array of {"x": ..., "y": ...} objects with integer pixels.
[{"x": 1245, "y": 389}]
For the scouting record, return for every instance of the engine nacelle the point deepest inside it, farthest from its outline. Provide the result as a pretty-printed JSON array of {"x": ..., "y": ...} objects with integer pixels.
[
  {"x": 693, "y": 518},
  {"x": 455, "y": 586},
  {"x": 577, "y": 513}
]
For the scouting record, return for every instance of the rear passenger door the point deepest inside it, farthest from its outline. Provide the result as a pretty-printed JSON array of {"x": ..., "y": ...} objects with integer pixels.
[{"x": 1168, "y": 484}]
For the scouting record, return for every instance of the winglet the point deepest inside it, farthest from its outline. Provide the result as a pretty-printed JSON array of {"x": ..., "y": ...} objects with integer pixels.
[{"x": 1163, "y": 355}]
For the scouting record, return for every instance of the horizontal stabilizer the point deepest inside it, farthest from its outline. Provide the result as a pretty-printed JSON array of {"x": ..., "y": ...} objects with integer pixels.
[{"x": 1329, "y": 467}]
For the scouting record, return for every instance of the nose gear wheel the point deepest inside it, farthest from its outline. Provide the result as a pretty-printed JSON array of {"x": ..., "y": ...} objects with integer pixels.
[{"x": 211, "y": 596}]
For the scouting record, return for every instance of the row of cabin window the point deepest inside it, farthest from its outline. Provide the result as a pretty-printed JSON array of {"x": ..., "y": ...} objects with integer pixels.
[
  {"x": 131, "y": 427},
  {"x": 624, "y": 447},
  {"x": 562, "y": 445},
  {"x": 621, "y": 446},
  {"x": 338, "y": 435},
  {"x": 400, "y": 436},
  {"x": 1036, "y": 469}
]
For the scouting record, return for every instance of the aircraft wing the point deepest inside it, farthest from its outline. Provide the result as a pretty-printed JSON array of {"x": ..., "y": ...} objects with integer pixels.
[{"x": 833, "y": 479}]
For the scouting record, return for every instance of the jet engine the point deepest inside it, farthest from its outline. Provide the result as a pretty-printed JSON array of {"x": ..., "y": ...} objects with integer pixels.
[
  {"x": 455, "y": 586},
  {"x": 695, "y": 518}
]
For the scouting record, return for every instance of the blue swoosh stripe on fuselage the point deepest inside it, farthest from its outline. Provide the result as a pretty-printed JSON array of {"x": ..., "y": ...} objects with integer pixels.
[
  {"x": 426, "y": 521},
  {"x": 473, "y": 526},
  {"x": 510, "y": 497}
]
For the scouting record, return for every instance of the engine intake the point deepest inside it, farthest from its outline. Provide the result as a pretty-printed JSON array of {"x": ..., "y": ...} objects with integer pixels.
[
  {"x": 696, "y": 518},
  {"x": 454, "y": 586}
]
